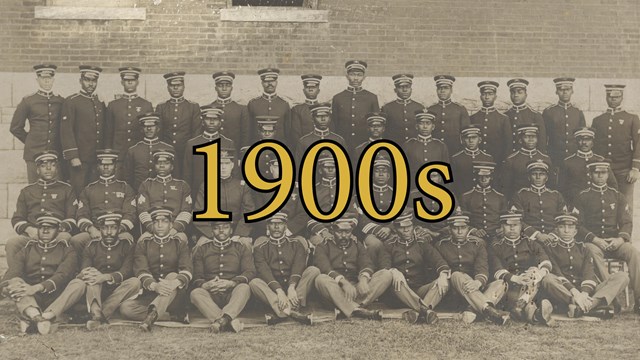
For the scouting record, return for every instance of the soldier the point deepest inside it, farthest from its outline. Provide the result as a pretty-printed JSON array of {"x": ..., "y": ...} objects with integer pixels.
[
  {"x": 607, "y": 225},
  {"x": 82, "y": 129},
  {"x": 376, "y": 127},
  {"x": 343, "y": 261},
  {"x": 234, "y": 114},
  {"x": 301, "y": 116},
  {"x": 269, "y": 104},
  {"x": 162, "y": 264},
  {"x": 561, "y": 120},
  {"x": 164, "y": 190},
  {"x": 179, "y": 117},
  {"x": 107, "y": 269},
  {"x": 462, "y": 162},
  {"x": 413, "y": 264},
  {"x": 138, "y": 161},
  {"x": 518, "y": 265},
  {"x": 424, "y": 148},
  {"x": 495, "y": 126},
  {"x": 485, "y": 204},
  {"x": 401, "y": 110},
  {"x": 43, "y": 111},
  {"x": 223, "y": 268},
  {"x": 573, "y": 284},
  {"x": 522, "y": 114},
  {"x": 466, "y": 256},
  {"x": 321, "y": 114},
  {"x": 350, "y": 106},
  {"x": 37, "y": 275},
  {"x": 194, "y": 165},
  {"x": 46, "y": 194},
  {"x": 121, "y": 124},
  {"x": 574, "y": 175},
  {"x": 281, "y": 264},
  {"x": 618, "y": 138},
  {"x": 101, "y": 196},
  {"x": 514, "y": 170},
  {"x": 451, "y": 117}
]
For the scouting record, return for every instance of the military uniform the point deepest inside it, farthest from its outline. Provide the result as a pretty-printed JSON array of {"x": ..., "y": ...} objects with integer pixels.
[
  {"x": 400, "y": 113},
  {"x": 523, "y": 114},
  {"x": 325, "y": 192},
  {"x": 540, "y": 206},
  {"x": 462, "y": 169},
  {"x": 194, "y": 165},
  {"x": 382, "y": 197},
  {"x": 235, "y": 115},
  {"x": 485, "y": 206},
  {"x": 561, "y": 120},
  {"x": 305, "y": 142},
  {"x": 138, "y": 161},
  {"x": 496, "y": 132},
  {"x": 451, "y": 117},
  {"x": 301, "y": 118},
  {"x": 573, "y": 176},
  {"x": 514, "y": 170},
  {"x": 268, "y": 105},
  {"x": 168, "y": 192},
  {"x": 421, "y": 150}
]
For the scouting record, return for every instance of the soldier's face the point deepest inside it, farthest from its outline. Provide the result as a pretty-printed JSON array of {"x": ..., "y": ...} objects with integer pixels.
[
  {"x": 381, "y": 175},
  {"x": 47, "y": 233},
  {"x": 224, "y": 89},
  {"x": 162, "y": 225},
  {"x": 529, "y": 141},
  {"x": 342, "y": 234},
  {"x": 459, "y": 232},
  {"x": 566, "y": 231},
  {"x": 484, "y": 180},
  {"x": 163, "y": 167},
  {"x": 211, "y": 124},
  {"x": 403, "y": 91},
  {"x": 269, "y": 86},
  {"x": 472, "y": 142},
  {"x": 321, "y": 121},
  {"x": 376, "y": 130},
  {"x": 311, "y": 91},
  {"x": 47, "y": 170},
  {"x": 405, "y": 232},
  {"x": 88, "y": 85},
  {"x": 585, "y": 143},
  {"x": 599, "y": 177},
  {"x": 222, "y": 231},
  {"x": 355, "y": 77},
  {"x": 488, "y": 98},
  {"x": 511, "y": 230},
  {"x": 274, "y": 169},
  {"x": 266, "y": 134},
  {"x": 109, "y": 232},
  {"x": 277, "y": 228},
  {"x": 176, "y": 90},
  {"x": 564, "y": 93},
  {"x": 130, "y": 85},
  {"x": 226, "y": 167},
  {"x": 518, "y": 96},
  {"x": 538, "y": 177},
  {"x": 45, "y": 82},
  {"x": 328, "y": 171},
  {"x": 150, "y": 131},
  {"x": 614, "y": 101},
  {"x": 444, "y": 92},
  {"x": 106, "y": 170},
  {"x": 425, "y": 128}
]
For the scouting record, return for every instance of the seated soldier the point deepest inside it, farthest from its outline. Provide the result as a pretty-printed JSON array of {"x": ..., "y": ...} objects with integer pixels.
[
  {"x": 38, "y": 274},
  {"x": 483, "y": 202},
  {"x": 223, "y": 268},
  {"x": 281, "y": 261},
  {"x": 462, "y": 161},
  {"x": 162, "y": 263},
  {"x": 466, "y": 255},
  {"x": 573, "y": 285},
  {"x": 518, "y": 266},
  {"x": 343, "y": 261},
  {"x": 414, "y": 263}
]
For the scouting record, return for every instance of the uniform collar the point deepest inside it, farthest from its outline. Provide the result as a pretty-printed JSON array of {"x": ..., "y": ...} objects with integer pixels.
[
  {"x": 321, "y": 133},
  {"x": 46, "y": 94},
  {"x": 112, "y": 245},
  {"x": 444, "y": 103},
  {"x": 520, "y": 107},
  {"x": 424, "y": 139},
  {"x": 153, "y": 141},
  {"x": 107, "y": 180},
  {"x": 46, "y": 183},
  {"x": 613, "y": 111},
  {"x": 562, "y": 243},
  {"x": 220, "y": 244},
  {"x": 310, "y": 101},
  {"x": 269, "y": 97},
  {"x": 341, "y": 245},
  {"x": 408, "y": 242},
  {"x": 161, "y": 240},
  {"x": 50, "y": 245},
  {"x": 278, "y": 241},
  {"x": 370, "y": 140},
  {"x": 328, "y": 182},
  {"x": 382, "y": 188},
  {"x": 353, "y": 89},
  {"x": 487, "y": 110},
  {"x": 482, "y": 190},
  {"x": 600, "y": 189},
  {"x": 90, "y": 96},
  {"x": 164, "y": 179},
  {"x": 585, "y": 155},
  {"x": 512, "y": 242},
  {"x": 176, "y": 100},
  {"x": 130, "y": 96},
  {"x": 224, "y": 101},
  {"x": 538, "y": 190},
  {"x": 210, "y": 136},
  {"x": 464, "y": 241},
  {"x": 472, "y": 153},
  {"x": 565, "y": 105},
  {"x": 529, "y": 153},
  {"x": 403, "y": 102}
]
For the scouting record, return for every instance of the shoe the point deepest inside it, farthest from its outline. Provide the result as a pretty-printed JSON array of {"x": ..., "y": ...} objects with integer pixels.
[
  {"x": 43, "y": 325},
  {"x": 604, "y": 313},
  {"x": 97, "y": 318},
  {"x": 367, "y": 314},
  {"x": 273, "y": 319},
  {"x": 339, "y": 315},
  {"x": 411, "y": 316},
  {"x": 617, "y": 308},
  {"x": 301, "y": 318},
  {"x": 148, "y": 322},
  {"x": 575, "y": 311},
  {"x": 235, "y": 325},
  {"x": 219, "y": 325},
  {"x": 543, "y": 313},
  {"x": 496, "y": 316},
  {"x": 27, "y": 326},
  {"x": 428, "y": 316},
  {"x": 468, "y": 317}
]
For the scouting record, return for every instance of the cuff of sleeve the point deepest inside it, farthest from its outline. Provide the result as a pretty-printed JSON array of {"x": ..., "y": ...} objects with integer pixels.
[
  {"x": 21, "y": 227},
  {"x": 482, "y": 278},
  {"x": 198, "y": 283},
  {"x": 117, "y": 277},
  {"x": 274, "y": 285},
  {"x": 240, "y": 279},
  {"x": 84, "y": 224},
  {"x": 625, "y": 236},
  {"x": 184, "y": 280},
  {"x": 589, "y": 237},
  {"x": 48, "y": 286},
  {"x": 338, "y": 278}
]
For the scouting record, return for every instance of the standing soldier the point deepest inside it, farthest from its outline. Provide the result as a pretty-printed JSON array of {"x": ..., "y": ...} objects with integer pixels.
[
  {"x": 462, "y": 162},
  {"x": 618, "y": 138},
  {"x": 451, "y": 117},
  {"x": 162, "y": 264},
  {"x": 82, "y": 128},
  {"x": 269, "y": 104},
  {"x": 301, "y": 116},
  {"x": 138, "y": 161},
  {"x": 321, "y": 114},
  {"x": 521, "y": 113},
  {"x": 561, "y": 120},
  {"x": 179, "y": 117},
  {"x": 400, "y": 111},
  {"x": 376, "y": 126},
  {"x": 122, "y": 128},
  {"x": 234, "y": 114},
  {"x": 485, "y": 204},
  {"x": 607, "y": 225},
  {"x": 495, "y": 126},
  {"x": 424, "y": 148},
  {"x": 43, "y": 111},
  {"x": 350, "y": 106}
]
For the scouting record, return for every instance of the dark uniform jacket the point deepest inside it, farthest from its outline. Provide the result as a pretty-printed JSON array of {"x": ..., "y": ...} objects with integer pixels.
[
  {"x": 315, "y": 135},
  {"x": 573, "y": 265},
  {"x": 235, "y": 115},
  {"x": 122, "y": 127},
  {"x": 525, "y": 115},
  {"x": 179, "y": 122},
  {"x": 193, "y": 166},
  {"x": 155, "y": 258},
  {"x": 561, "y": 120},
  {"x": 302, "y": 121},
  {"x": 230, "y": 260},
  {"x": 468, "y": 256},
  {"x": 54, "y": 196},
  {"x": 138, "y": 161},
  {"x": 168, "y": 192},
  {"x": 234, "y": 197},
  {"x": 604, "y": 213},
  {"x": 348, "y": 260},
  {"x": 417, "y": 260},
  {"x": 401, "y": 120},
  {"x": 514, "y": 171},
  {"x": 618, "y": 139},
  {"x": 272, "y": 105},
  {"x": 106, "y": 195},
  {"x": 82, "y": 129},
  {"x": 462, "y": 168},
  {"x": 349, "y": 110},
  {"x": 508, "y": 258},
  {"x": 484, "y": 207},
  {"x": 115, "y": 260},
  {"x": 496, "y": 132},
  {"x": 540, "y": 207},
  {"x": 420, "y": 150},
  {"x": 383, "y": 200},
  {"x": 43, "y": 110},
  {"x": 574, "y": 175},
  {"x": 325, "y": 193},
  {"x": 451, "y": 118},
  {"x": 280, "y": 262}
]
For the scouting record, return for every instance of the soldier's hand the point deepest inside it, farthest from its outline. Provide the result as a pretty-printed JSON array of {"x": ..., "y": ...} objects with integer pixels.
[
  {"x": 32, "y": 232},
  {"x": 325, "y": 234},
  {"x": 363, "y": 286},
  {"x": 397, "y": 279},
  {"x": 633, "y": 176},
  {"x": 350, "y": 291},
  {"x": 544, "y": 238},
  {"x": 600, "y": 242},
  {"x": 582, "y": 300},
  {"x": 481, "y": 233},
  {"x": 615, "y": 243},
  {"x": 283, "y": 301},
  {"x": 292, "y": 294},
  {"x": 99, "y": 279},
  {"x": 75, "y": 162},
  {"x": 442, "y": 283},
  {"x": 472, "y": 285},
  {"x": 382, "y": 233},
  {"x": 517, "y": 279},
  {"x": 94, "y": 233},
  {"x": 164, "y": 288}
]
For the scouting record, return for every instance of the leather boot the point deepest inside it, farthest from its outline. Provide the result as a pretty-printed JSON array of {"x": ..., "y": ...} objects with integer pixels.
[
  {"x": 427, "y": 315},
  {"x": 367, "y": 314},
  {"x": 496, "y": 316},
  {"x": 301, "y": 318},
  {"x": 273, "y": 319},
  {"x": 151, "y": 318},
  {"x": 543, "y": 313}
]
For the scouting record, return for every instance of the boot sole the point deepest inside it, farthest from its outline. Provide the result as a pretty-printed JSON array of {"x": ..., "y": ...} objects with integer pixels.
[
  {"x": 236, "y": 326},
  {"x": 432, "y": 318},
  {"x": 410, "y": 316}
]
